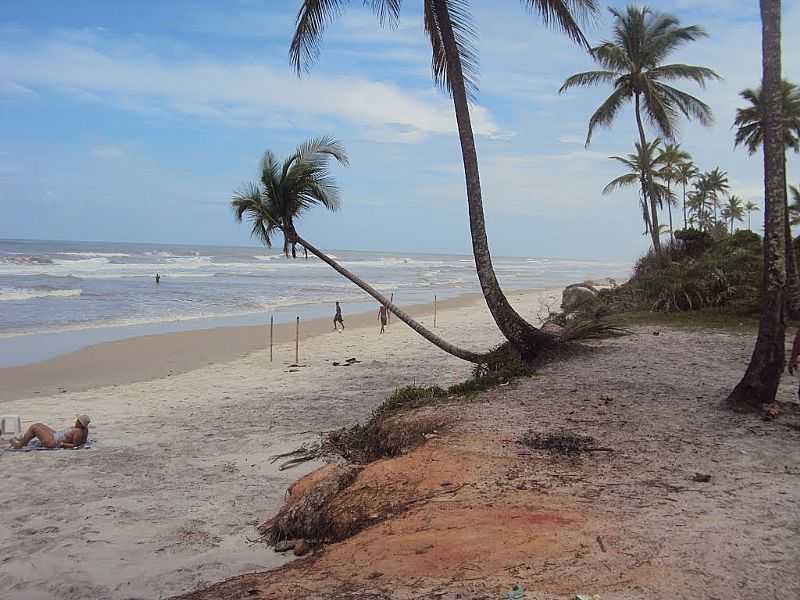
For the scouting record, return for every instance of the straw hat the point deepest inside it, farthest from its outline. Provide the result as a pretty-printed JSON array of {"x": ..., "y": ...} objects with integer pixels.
[{"x": 84, "y": 420}]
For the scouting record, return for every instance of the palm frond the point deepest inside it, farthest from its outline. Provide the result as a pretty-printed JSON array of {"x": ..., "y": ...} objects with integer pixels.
[
  {"x": 312, "y": 19},
  {"x": 622, "y": 181},
  {"x": 465, "y": 39},
  {"x": 690, "y": 106},
  {"x": 679, "y": 71},
  {"x": 564, "y": 15},
  {"x": 587, "y": 79},
  {"x": 604, "y": 116}
]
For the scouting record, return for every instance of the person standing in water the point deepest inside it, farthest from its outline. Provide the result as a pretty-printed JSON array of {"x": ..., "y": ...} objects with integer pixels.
[
  {"x": 158, "y": 278},
  {"x": 382, "y": 317},
  {"x": 337, "y": 318}
]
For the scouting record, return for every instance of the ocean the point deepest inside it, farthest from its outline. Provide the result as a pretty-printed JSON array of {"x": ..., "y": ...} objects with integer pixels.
[{"x": 51, "y": 291}]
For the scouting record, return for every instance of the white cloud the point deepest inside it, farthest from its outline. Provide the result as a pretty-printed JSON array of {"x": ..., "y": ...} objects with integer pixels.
[{"x": 245, "y": 92}]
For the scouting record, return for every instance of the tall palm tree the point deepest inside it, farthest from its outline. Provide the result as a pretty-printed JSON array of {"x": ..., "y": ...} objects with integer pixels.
[
  {"x": 734, "y": 210},
  {"x": 633, "y": 63},
  {"x": 686, "y": 172},
  {"x": 760, "y": 381},
  {"x": 750, "y": 207},
  {"x": 454, "y": 64},
  {"x": 749, "y": 122},
  {"x": 642, "y": 166},
  {"x": 716, "y": 184},
  {"x": 671, "y": 157},
  {"x": 287, "y": 190}
]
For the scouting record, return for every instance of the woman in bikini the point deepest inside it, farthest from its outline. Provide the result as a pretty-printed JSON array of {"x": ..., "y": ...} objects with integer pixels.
[{"x": 72, "y": 437}]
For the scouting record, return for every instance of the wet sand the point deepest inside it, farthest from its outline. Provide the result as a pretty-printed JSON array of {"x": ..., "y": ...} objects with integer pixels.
[{"x": 151, "y": 357}]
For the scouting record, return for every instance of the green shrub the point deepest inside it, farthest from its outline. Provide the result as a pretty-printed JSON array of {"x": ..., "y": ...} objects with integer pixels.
[{"x": 726, "y": 274}]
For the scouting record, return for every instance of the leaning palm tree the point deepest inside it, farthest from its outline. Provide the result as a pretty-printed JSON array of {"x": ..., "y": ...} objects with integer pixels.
[
  {"x": 734, "y": 210},
  {"x": 671, "y": 157},
  {"x": 642, "y": 167},
  {"x": 750, "y": 207},
  {"x": 454, "y": 64},
  {"x": 686, "y": 172},
  {"x": 633, "y": 63},
  {"x": 760, "y": 381},
  {"x": 749, "y": 123},
  {"x": 287, "y": 190}
]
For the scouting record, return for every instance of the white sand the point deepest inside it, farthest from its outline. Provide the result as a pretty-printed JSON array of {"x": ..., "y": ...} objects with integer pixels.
[{"x": 179, "y": 473}]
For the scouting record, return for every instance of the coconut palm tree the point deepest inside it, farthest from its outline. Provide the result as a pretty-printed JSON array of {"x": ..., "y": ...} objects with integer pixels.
[
  {"x": 671, "y": 157},
  {"x": 686, "y": 172},
  {"x": 760, "y": 381},
  {"x": 633, "y": 63},
  {"x": 734, "y": 210},
  {"x": 287, "y": 190},
  {"x": 716, "y": 185},
  {"x": 750, "y": 207},
  {"x": 454, "y": 64},
  {"x": 749, "y": 122},
  {"x": 701, "y": 201},
  {"x": 642, "y": 166}
]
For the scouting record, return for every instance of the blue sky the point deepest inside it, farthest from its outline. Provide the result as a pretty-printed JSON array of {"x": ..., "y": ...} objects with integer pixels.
[{"x": 134, "y": 121}]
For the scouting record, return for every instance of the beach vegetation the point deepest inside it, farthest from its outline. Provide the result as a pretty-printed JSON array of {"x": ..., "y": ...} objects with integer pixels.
[
  {"x": 634, "y": 63},
  {"x": 454, "y": 65}
]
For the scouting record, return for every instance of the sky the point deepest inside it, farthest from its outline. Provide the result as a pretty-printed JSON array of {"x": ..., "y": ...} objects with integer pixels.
[{"x": 135, "y": 121}]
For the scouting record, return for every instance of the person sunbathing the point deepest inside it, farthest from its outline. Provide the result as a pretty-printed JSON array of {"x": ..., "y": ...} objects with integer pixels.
[{"x": 72, "y": 437}]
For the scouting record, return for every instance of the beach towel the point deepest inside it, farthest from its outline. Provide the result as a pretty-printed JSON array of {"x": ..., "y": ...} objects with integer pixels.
[{"x": 36, "y": 445}]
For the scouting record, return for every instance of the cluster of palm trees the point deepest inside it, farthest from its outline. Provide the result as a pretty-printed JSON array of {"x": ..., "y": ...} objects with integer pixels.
[
  {"x": 706, "y": 206},
  {"x": 634, "y": 63}
]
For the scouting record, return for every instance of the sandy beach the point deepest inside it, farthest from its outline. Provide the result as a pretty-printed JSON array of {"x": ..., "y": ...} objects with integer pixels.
[{"x": 179, "y": 472}]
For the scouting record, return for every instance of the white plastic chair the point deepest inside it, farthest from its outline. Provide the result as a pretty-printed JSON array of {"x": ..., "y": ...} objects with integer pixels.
[{"x": 15, "y": 421}]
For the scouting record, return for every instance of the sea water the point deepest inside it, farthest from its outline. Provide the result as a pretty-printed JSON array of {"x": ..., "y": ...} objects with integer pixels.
[{"x": 58, "y": 296}]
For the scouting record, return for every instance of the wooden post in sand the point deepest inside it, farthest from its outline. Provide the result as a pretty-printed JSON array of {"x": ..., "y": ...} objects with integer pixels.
[
  {"x": 271, "y": 319},
  {"x": 297, "y": 342},
  {"x": 434, "y": 312},
  {"x": 388, "y": 312}
]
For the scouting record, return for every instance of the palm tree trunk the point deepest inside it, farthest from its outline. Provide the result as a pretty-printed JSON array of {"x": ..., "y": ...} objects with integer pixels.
[
  {"x": 646, "y": 186},
  {"x": 669, "y": 208},
  {"x": 472, "y": 357},
  {"x": 684, "y": 206},
  {"x": 760, "y": 381},
  {"x": 517, "y": 330}
]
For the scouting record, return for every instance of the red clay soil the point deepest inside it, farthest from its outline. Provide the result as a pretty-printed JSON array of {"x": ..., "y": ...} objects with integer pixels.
[{"x": 474, "y": 512}]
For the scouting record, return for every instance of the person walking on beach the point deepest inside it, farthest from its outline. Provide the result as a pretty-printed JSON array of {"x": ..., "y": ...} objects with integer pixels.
[
  {"x": 337, "y": 318},
  {"x": 795, "y": 357},
  {"x": 382, "y": 317},
  {"x": 71, "y": 437},
  {"x": 158, "y": 278}
]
